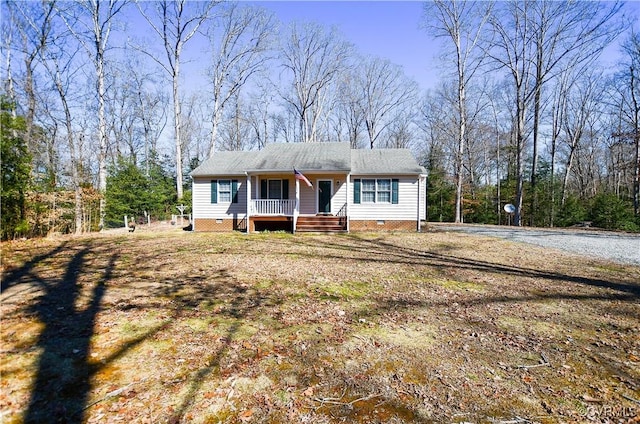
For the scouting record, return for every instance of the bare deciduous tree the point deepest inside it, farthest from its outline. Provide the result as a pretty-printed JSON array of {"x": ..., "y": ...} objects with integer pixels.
[
  {"x": 314, "y": 57},
  {"x": 240, "y": 40},
  {"x": 627, "y": 130},
  {"x": 32, "y": 23},
  {"x": 580, "y": 107},
  {"x": 175, "y": 22},
  {"x": 59, "y": 60},
  {"x": 533, "y": 41},
  {"x": 566, "y": 35},
  {"x": 91, "y": 21},
  {"x": 350, "y": 114},
  {"x": 385, "y": 91},
  {"x": 462, "y": 23}
]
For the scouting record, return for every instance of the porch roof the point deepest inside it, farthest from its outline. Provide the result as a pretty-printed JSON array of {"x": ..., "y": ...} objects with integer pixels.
[{"x": 305, "y": 157}]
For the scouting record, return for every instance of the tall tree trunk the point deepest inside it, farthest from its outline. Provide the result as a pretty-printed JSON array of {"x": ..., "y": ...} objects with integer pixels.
[
  {"x": 636, "y": 139},
  {"x": 462, "y": 134},
  {"x": 102, "y": 130},
  {"x": 536, "y": 126},
  {"x": 177, "y": 113},
  {"x": 31, "y": 100},
  {"x": 567, "y": 171},
  {"x": 215, "y": 122},
  {"x": 520, "y": 139},
  {"x": 73, "y": 152}
]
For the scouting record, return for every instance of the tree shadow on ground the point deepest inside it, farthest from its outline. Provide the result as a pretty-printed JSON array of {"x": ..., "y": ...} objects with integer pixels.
[
  {"x": 63, "y": 381},
  {"x": 380, "y": 250},
  {"x": 63, "y": 378},
  {"x": 24, "y": 273},
  {"x": 242, "y": 302},
  {"x": 67, "y": 307}
]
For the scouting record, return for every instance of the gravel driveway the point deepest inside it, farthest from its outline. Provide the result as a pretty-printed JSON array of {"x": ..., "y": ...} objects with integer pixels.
[{"x": 618, "y": 247}]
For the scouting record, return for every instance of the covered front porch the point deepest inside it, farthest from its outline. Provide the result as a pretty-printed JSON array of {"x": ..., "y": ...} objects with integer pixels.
[
  {"x": 283, "y": 202},
  {"x": 281, "y": 215}
]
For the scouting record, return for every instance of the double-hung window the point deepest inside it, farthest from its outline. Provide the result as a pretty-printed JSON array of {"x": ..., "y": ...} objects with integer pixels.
[
  {"x": 383, "y": 191},
  {"x": 224, "y": 191},
  {"x": 380, "y": 190},
  {"x": 368, "y": 191},
  {"x": 274, "y": 189}
]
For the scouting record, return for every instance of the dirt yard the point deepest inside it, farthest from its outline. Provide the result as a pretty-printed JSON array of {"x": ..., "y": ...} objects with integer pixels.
[{"x": 173, "y": 326}]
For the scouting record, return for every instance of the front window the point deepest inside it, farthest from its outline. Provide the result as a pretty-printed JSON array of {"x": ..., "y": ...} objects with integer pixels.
[
  {"x": 384, "y": 191},
  {"x": 376, "y": 191},
  {"x": 275, "y": 189},
  {"x": 224, "y": 191},
  {"x": 368, "y": 191}
]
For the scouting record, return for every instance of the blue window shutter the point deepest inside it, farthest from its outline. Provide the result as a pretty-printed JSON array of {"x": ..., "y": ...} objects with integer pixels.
[
  {"x": 356, "y": 191},
  {"x": 394, "y": 191},
  {"x": 285, "y": 189},
  {"x": 234, "y": 191},
  {"x": 263, "y": 189},
  {"x": 214, "y": 191}
]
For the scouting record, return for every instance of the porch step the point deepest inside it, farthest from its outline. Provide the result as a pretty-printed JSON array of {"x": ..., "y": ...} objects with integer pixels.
[{"x": 324, "y": 224}]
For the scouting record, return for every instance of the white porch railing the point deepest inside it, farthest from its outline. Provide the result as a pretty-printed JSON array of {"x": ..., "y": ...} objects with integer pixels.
[{"x": 273, "y": 207}]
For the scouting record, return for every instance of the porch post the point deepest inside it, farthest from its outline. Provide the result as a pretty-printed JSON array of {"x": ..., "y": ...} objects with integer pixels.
[
  {"x": 248, "y": 202},
  {"x": 296, "y": 209},
  {"x": 419, "y": 201},
  {"x": 348, "y": 183}
]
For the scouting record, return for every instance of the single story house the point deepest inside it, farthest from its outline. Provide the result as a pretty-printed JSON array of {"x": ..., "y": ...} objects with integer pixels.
[{"x": 309, "y": 187}]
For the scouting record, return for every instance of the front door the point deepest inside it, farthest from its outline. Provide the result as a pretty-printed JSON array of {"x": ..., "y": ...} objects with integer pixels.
[{"x": 324, "y": 196}]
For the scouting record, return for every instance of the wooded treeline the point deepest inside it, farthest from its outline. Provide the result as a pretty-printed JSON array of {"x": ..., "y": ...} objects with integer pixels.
[{"x": 108, "y": 105}]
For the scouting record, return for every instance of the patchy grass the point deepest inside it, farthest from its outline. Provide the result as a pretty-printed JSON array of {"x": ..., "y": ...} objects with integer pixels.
[{"x": 207, "y": 328}]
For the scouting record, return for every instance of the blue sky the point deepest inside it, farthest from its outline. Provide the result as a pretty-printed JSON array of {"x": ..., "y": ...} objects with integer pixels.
[
  {"x": 388, "y": 29},
  {"x": 391, "y": 30}
]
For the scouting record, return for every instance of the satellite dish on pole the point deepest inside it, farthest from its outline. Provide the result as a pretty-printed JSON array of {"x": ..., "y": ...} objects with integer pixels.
[{"x": 510, "y": 209}]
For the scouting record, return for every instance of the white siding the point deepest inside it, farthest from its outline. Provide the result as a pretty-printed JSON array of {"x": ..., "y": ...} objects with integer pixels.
[
  {"x": 339, "y": 193},
  {"x": 202, "y": 206},
  {"x": 406, "y": 208},
  {"x": 309, "y": 196}
]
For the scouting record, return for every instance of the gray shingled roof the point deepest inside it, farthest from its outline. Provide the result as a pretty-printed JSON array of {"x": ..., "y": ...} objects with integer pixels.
[
  {"x": 226, "y": 163},
  {"x": 384, "y": 161},
  {"x": 311, "y": 157},
  {"x": 304, "y": 157}
]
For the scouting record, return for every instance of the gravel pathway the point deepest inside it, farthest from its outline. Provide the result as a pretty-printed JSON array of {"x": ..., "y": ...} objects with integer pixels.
[{"x": 617, "y": 247}]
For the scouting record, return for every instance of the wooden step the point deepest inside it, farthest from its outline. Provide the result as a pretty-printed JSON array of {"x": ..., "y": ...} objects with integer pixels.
[
  {"x": 325, "y": 224},
  {"x": 320, "y": 229}
]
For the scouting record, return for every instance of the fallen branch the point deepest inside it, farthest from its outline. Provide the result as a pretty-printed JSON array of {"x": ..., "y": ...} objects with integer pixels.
[
  {"x": 545, "y": 363},
  {"x": 516, "y": 420},
  {"x": 332, "y": 400},
  {"x": 338, "y": 401},
  {"x": 630, "y": 398},
  {"x": 109, "y": 395}
]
